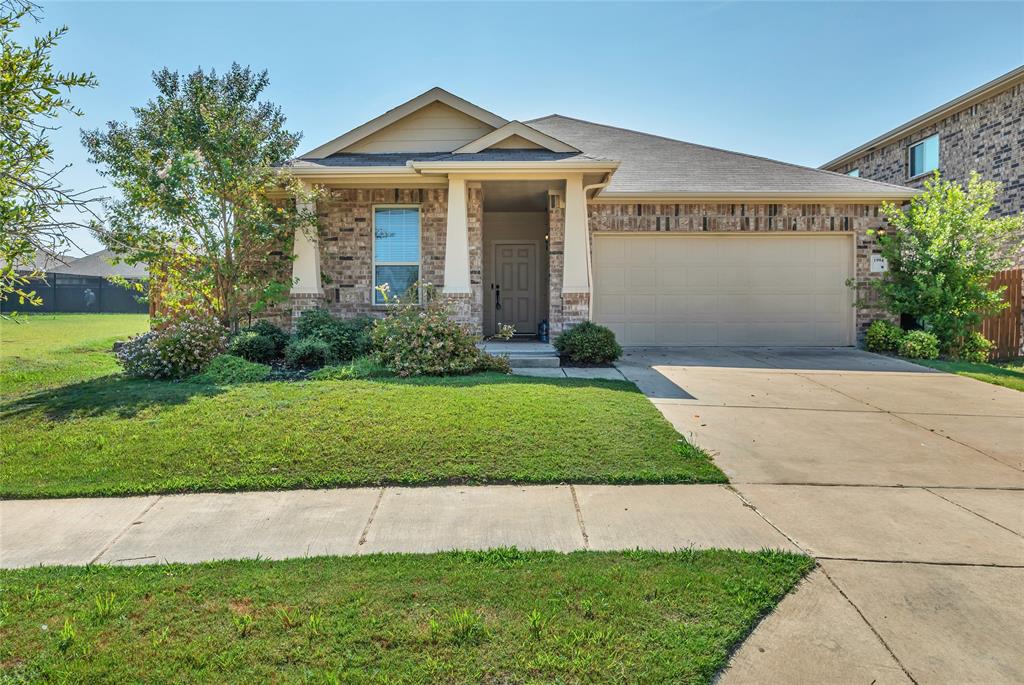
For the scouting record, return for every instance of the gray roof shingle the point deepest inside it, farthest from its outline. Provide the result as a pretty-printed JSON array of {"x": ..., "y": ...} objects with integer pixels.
[
  {"x": 98, "y": 264},
  {"x": 385, "y": 159},
  {"x": 653, "y": 164}
]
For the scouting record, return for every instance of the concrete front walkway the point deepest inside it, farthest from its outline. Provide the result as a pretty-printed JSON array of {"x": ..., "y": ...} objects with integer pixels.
[
  {"x": 276, "y": 525},
  {"x": 905, "y": 483}
]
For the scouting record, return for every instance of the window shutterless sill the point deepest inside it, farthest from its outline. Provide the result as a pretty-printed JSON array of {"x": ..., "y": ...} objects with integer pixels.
[{"x": 925, "y": 174}]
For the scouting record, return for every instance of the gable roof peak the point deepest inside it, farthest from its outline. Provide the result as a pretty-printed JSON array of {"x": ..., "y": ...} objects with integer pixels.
[{"x": 393, "y": 115}]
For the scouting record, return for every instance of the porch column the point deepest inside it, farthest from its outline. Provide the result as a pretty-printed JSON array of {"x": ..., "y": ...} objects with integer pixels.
[
  {"x": 306, "y": 265},
  {"x": 576, "y": 269},
  {"x": 456, "y": 246}
]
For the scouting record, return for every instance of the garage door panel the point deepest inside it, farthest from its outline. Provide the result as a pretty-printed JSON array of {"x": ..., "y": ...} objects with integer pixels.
[{"x": 718, "y": 289}]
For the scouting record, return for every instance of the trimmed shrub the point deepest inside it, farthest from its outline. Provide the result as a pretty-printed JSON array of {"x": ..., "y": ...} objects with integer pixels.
[
  {"x": 139, "y": 358},
  {"x": 588, "y": 343},
  {"x": 360, "y": 367},
  {"x": 253, "y": 346},
  {"x": 425, "y": 341},
  {"x": 307, "y": 353},
  {"x": 227, "y": 369},
  {"x": 177, "y": 348},
  {"x": 269, "y": 330},
  {"x": 347, "y": 338},
  {"x": 976, "y": 348},
  {"x": 919, "y": 345},
  {"x": 883, "y": 336}
]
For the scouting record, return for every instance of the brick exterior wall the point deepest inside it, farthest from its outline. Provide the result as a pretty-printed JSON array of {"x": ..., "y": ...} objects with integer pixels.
[
  {"x": 987, "y": 137},
  {"x": 758, "y": 218}
]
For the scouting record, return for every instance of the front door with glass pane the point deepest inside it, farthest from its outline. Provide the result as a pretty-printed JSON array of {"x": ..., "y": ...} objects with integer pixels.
[{"x": 514, "y": 290}]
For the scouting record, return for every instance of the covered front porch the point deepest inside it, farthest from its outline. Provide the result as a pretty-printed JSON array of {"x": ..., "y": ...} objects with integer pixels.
[{"x": 503, "y": 248}]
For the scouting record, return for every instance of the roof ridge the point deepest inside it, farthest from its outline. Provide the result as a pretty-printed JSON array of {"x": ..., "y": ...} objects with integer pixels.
[{"x": 718, "y": 149}]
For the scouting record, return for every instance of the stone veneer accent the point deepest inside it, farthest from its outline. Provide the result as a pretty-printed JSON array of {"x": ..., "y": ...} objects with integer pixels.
[
  {"x": 758, "y": 218},
  {"x": 987, "y": 137}
]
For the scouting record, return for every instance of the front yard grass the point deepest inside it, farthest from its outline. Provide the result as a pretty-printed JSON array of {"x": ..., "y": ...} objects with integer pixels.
[
  {"x": 108, "y": 435},
  {"x": 47, "y": 350},
  {"x": 499, "y": 616},
  {"x": 1007, "y": 374}
]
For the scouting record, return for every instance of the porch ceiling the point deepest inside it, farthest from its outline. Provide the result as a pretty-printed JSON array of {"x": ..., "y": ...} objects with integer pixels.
[{"x": 516, "y": 196}]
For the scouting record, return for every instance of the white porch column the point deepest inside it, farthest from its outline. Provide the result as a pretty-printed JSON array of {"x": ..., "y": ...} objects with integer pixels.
[
  {"x": 306, "y": 265},
  {"x": 576, "y": 259},
  {"x": 456, "y": 245}
]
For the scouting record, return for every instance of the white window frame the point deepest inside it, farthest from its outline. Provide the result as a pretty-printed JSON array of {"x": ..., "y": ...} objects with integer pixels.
[
  {"x": 373, "y": 250},
  {"x": 854, "y": 173},
  {"x": 910, "y": 156}
]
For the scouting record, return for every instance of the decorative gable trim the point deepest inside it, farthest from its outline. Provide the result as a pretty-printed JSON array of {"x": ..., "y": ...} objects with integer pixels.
[
  {"x": 391, "y": 116},
  {"x": 520, "y": 130}
]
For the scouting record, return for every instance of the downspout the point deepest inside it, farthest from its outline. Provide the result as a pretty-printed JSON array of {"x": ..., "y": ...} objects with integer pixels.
[{"x": 590, "y": 267}]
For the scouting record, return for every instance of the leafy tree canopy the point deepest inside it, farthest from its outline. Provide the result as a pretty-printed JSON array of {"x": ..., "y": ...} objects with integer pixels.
[
  {"x": 34, "y": 203},
  {"x": 202, "y": 191},
  {"x": 943, "y": 252}
]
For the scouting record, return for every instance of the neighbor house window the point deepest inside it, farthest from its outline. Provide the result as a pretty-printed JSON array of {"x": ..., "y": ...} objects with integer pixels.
[
  {"x": 924, "y": 156},
  {"x": 396, "y": 249},
  {"x": 853, "y": 172}
]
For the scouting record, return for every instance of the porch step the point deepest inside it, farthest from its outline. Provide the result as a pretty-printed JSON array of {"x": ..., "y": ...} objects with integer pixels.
[
  {"x": 525, "y": 355},
  {"x": 534, "y": 361}
]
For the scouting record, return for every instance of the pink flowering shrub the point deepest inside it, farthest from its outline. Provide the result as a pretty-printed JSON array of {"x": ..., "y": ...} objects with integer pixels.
[
  {"x": 177, "y": 348},
  {"x": 423, "y": 340}
]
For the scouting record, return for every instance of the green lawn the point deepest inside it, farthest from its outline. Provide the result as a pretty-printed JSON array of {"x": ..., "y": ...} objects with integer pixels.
[
  {"x": 1007, "y": 374},
  {"x": 114, "y": 436},
  {"x": 47, "y": 350},
  {"x": 501, "y": 616}
]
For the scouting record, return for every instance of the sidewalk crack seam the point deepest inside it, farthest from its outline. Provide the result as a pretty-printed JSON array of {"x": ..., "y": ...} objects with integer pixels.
[
  {"x": 750, "y": 505},
  {"x": 369, "y": 521},
  {"x": 871, "y": 627},
  {"x": 969, "y": 510},
  {"x": 106, "y": 548},
  {"x": 579, "y": 516}
]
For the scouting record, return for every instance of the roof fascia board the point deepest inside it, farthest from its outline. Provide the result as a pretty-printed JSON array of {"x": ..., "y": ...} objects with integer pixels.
[
  {"x": 405, "y": 109},
  {"x": 689, "y": 198},
  {"x": 518, "y": 166},
  {"x": 983, "y": 92},
  {"x": 516, "y": 128}
]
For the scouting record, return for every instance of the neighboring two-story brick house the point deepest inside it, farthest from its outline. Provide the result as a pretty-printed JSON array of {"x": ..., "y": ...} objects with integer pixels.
[
  {"x": 558, "y": 219},
  {"x": 982, "y": 131}
]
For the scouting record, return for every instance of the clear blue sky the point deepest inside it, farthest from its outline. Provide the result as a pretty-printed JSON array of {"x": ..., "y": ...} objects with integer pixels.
[{"x": 800, "y": 82}]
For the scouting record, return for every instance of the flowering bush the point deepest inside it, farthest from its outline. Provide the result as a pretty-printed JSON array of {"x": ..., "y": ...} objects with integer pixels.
[
  {"x": 424, "y": 340},
  {"x": 177, "y": 348},
  {"x": 139, "y": 358},
  {"x": 919, "y": 345},
  {"x": 883, "y": 336}
]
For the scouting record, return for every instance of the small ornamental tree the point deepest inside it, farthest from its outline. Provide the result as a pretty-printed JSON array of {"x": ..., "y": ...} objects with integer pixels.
[
  {"x": 943, "y": 252},
  {"x": 200, "y": 198}
]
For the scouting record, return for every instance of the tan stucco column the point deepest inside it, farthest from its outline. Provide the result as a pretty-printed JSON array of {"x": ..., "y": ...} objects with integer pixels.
[
  {"x": 306, "y": 265},
  {"x": 456, "y": 246},
  {"x": 576, "y": 271}
]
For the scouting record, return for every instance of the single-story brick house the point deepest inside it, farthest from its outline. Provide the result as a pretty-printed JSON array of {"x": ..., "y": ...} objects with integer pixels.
[{"x": 558, "y": 219}]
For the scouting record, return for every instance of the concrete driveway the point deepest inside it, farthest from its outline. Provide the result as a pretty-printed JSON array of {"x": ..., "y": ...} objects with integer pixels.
[{"x": 906, "y": 484}]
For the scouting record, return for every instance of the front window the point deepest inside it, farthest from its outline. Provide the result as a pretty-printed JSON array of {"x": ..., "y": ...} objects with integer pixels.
[
  {"x": 396, "y": 250},
  {"x": 924, "y": 156},
  {"x": 853, "y": 172}
]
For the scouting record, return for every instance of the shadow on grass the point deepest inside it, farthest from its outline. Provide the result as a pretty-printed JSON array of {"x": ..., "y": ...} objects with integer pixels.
[
  {"x": 124, "y": 397},
  {"x": 493, "y": 378}
]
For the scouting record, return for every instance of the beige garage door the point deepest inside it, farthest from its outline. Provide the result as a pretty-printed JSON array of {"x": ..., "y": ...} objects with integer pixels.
[{"x": 719, "y": 289}]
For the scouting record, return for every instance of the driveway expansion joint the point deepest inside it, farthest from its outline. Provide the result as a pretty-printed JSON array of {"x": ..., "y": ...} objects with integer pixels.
[
  {"x": 968, "y": 509},
  {"x": 579, "y": 516},
  {"x": 369, "y": 522}
]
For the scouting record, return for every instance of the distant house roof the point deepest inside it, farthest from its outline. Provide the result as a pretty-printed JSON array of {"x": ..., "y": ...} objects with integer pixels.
[
  {"x": 983, "y": 92},
  {"x": 100, "y": 264},
  {"x": 655, "y": 165}
]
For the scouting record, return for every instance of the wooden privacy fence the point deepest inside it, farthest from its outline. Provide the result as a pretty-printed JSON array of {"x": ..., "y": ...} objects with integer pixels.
[{"x": 1004, "y": 329}]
